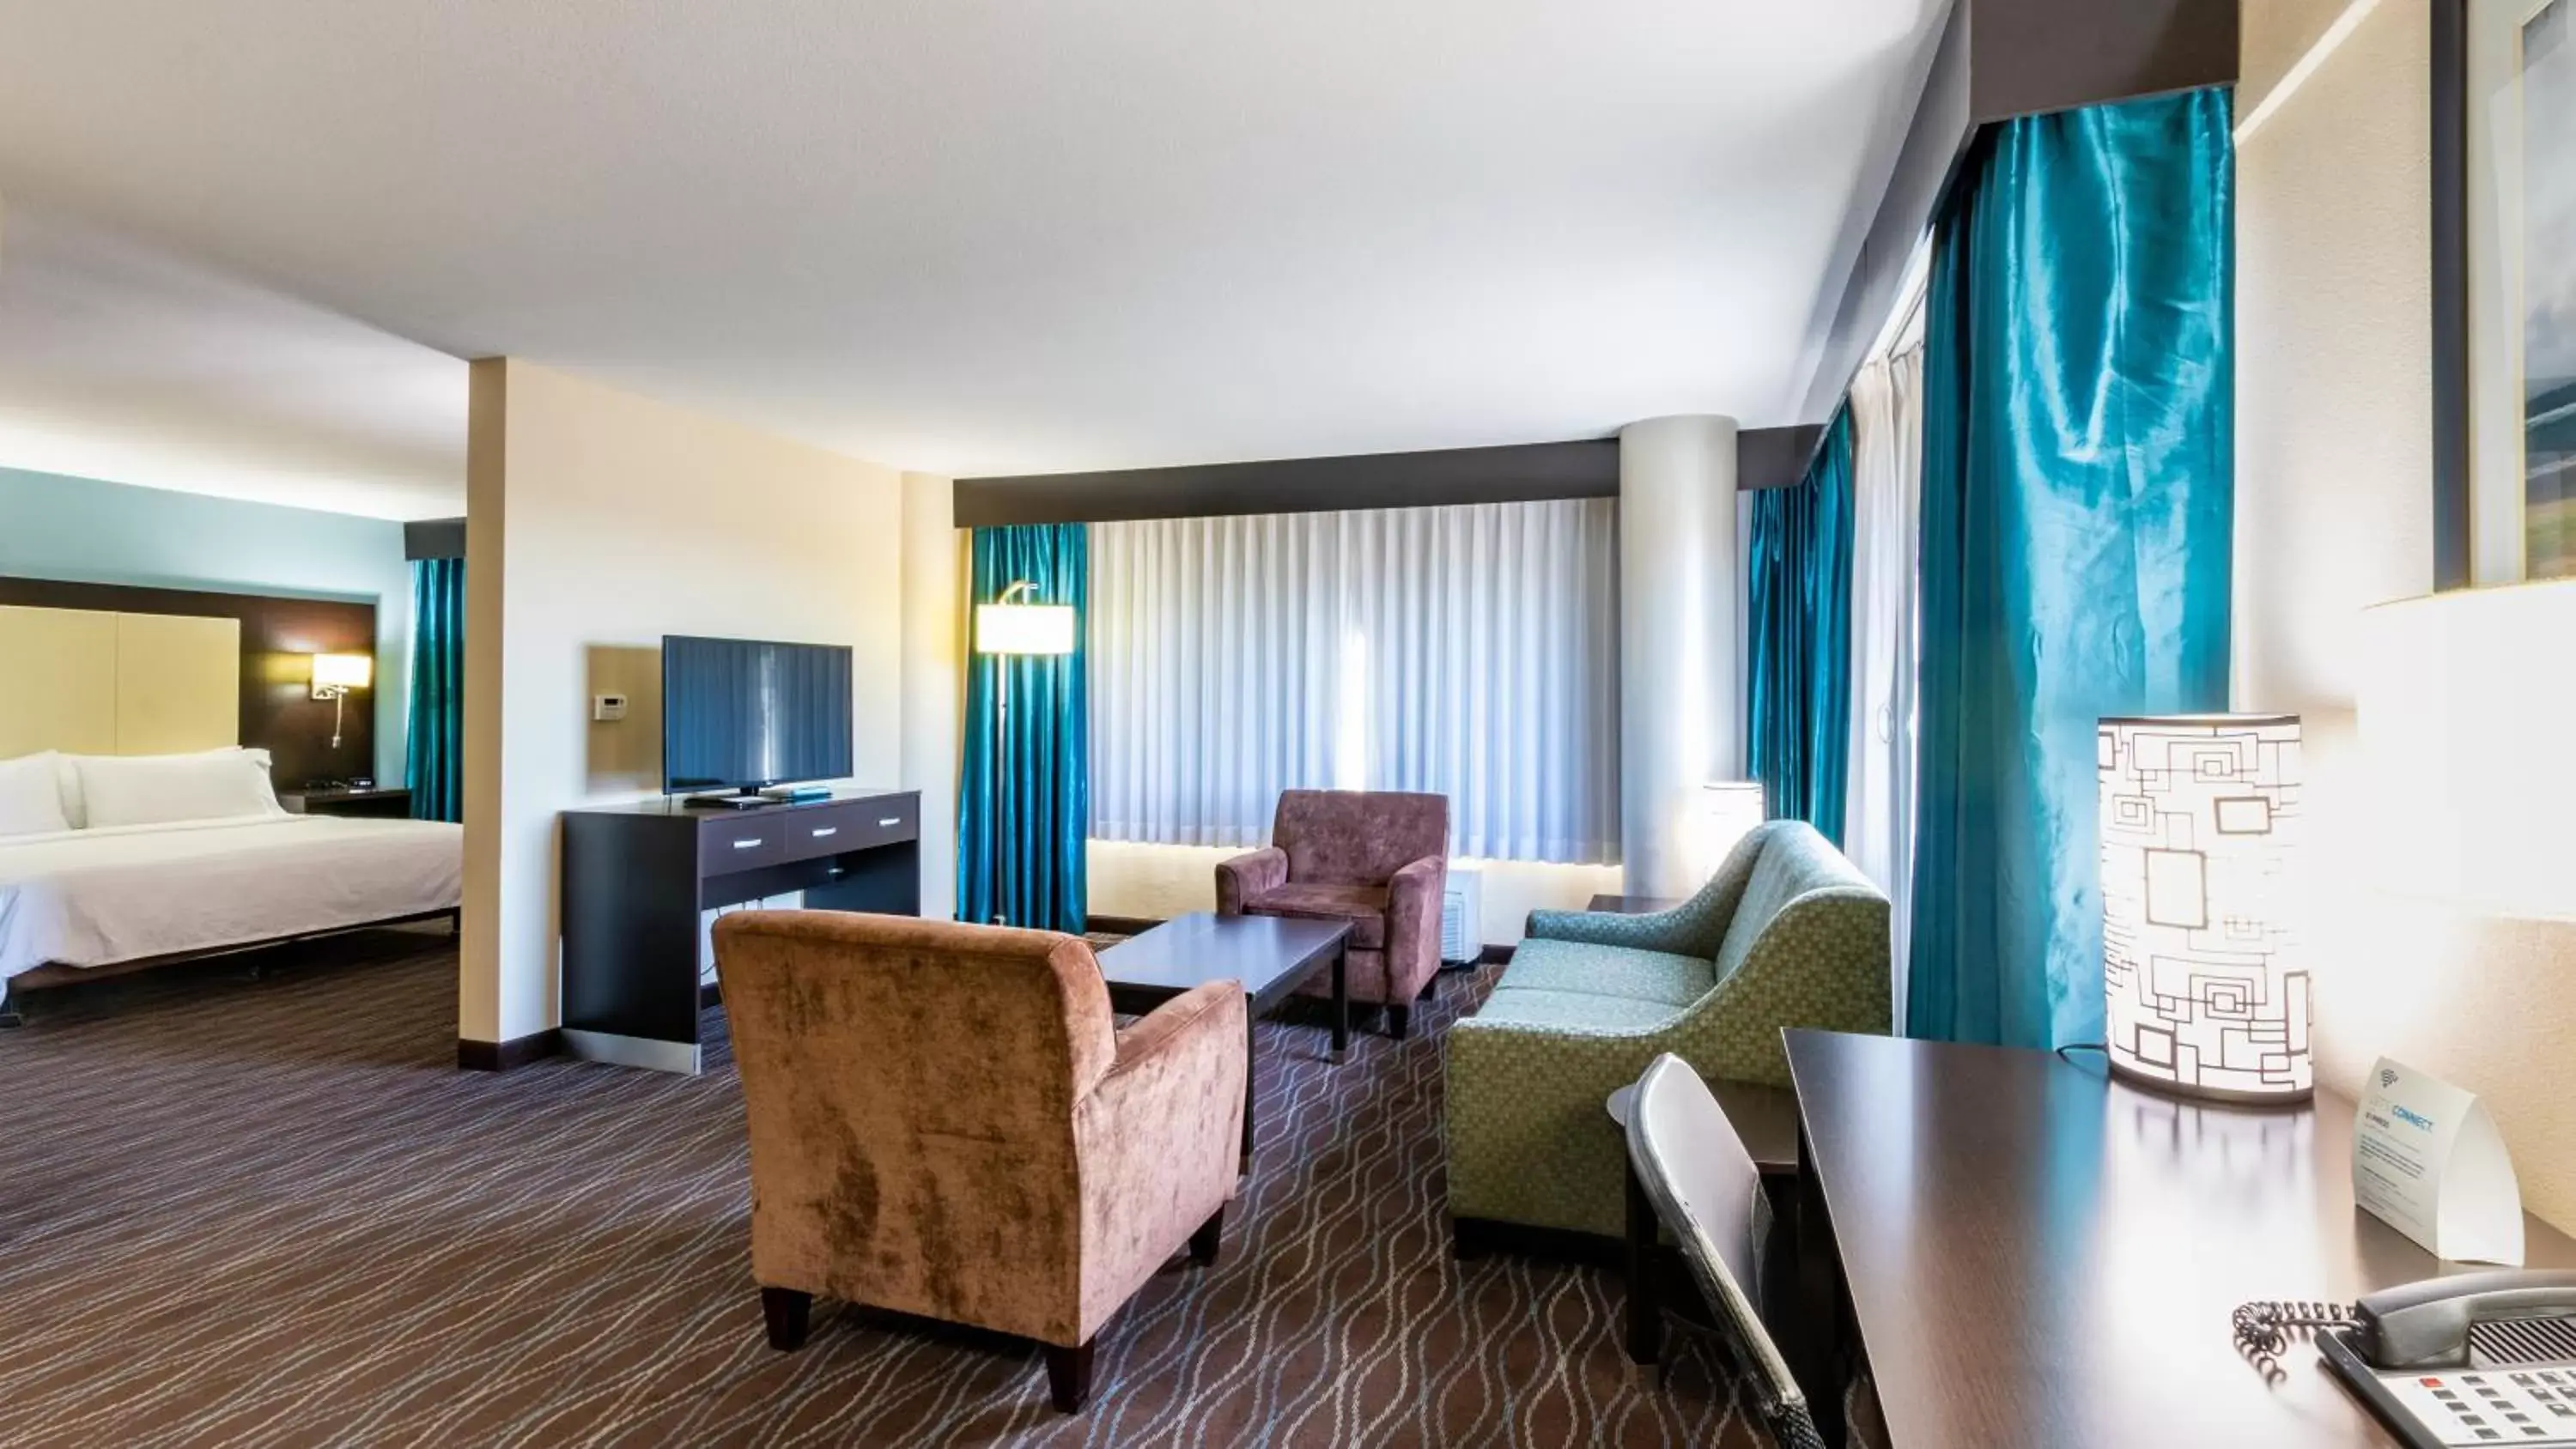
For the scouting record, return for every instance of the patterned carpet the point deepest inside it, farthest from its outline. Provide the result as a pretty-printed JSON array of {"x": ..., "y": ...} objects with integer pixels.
[{"x": 269, "y": 1211}]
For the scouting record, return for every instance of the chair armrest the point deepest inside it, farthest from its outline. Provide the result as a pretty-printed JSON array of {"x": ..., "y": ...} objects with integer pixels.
[
  {"x": 1684, "y": 930},
  {"x": 1823, "y": 962},
  {"x": 1247, "y": 878},
  {"x": 1159, "y": 1139},
  {"x": 1212, "y": 1011},
  {"x": 1591, "y": 928},
  {"x": 1413, "y": 906},
  {"x": 1696, "y": 927},
  {"x": 1529, "y": 1134}
]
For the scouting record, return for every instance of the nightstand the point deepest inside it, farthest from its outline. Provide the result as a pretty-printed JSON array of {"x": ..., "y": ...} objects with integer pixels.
[{"x": 374, "y": 804}]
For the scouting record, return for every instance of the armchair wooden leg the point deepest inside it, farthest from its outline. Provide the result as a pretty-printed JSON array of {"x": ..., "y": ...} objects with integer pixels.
[
  {"x": 786, "y": 1312},
  {"x": 1203, "y": 1243},
  {"x": 1069, "y": 1377},
  {"x": 1399, "y": 1022},
  {"x": 1430, "y": 988}
]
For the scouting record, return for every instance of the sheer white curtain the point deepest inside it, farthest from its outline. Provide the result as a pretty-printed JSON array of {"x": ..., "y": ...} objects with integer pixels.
[
  {"x": 1887, "y": 495},
  {"x": 1471, "y": 651},
  {"x": 1214, "y": 649}
]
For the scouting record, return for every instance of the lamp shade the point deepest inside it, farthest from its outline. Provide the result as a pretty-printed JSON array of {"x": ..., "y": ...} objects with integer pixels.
[
  {"x": 1732, "y": 809},
  {"x": 343, "y": 671},
  {"x": 1024, "y": 629},
  {"x": 2204, "y": 990}
]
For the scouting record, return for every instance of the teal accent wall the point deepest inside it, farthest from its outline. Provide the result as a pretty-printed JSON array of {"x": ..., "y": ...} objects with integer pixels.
[{"x": 53, "y": 527}]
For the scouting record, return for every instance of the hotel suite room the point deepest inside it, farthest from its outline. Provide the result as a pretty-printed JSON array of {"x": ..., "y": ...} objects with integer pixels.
[{"x": 1645, "y": 725}]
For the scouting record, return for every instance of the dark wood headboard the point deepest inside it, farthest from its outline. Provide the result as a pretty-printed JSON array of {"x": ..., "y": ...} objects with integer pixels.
[{"x": 278, "y": 711}]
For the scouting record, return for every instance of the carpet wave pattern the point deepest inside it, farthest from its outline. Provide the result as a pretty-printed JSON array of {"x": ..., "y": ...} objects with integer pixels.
[{"x": 271, "y": 1212}]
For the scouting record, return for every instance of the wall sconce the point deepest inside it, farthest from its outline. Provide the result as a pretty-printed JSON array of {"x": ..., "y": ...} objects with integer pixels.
[
  {"x": 334, "y": 675},
  {"x": 2204, "y": 991},
  {"x": 1002, "y": 627}
]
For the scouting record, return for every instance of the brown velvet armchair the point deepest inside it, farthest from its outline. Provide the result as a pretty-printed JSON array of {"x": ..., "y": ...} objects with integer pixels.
[
  {"x": 1378, "y": 859},
  {"x": 945, "y": 1122}
]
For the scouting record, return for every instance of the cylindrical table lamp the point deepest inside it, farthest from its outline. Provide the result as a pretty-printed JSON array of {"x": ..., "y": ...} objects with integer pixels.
[{"x": 2204, "y": 991}]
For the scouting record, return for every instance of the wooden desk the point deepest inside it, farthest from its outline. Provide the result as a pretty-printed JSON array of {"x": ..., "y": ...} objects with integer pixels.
[
  {"x": 2035, "y": 1255},
  {"x": 1270, "y": 955},
  {"x": 636, "y": 876}
]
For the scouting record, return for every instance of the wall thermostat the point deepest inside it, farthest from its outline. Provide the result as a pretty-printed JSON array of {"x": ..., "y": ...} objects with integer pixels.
[{"x": 608, "y": 706}]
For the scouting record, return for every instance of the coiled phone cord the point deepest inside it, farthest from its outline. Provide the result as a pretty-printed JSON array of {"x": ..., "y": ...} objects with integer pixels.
[{"x": 2265, "y": 1328}]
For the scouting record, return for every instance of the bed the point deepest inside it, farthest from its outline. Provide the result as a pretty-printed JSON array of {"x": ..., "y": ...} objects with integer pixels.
[
  {"x": 106, "y": 892},
  {"x": 89, "y": 898}
]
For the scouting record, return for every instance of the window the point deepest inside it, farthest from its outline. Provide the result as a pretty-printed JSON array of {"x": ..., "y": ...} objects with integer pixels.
[{"x": 1470, "y": 651}]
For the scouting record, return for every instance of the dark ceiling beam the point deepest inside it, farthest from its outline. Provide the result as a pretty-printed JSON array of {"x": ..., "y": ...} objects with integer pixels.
[
  {"x": 1774, "y": 457},
  {"x": 434, "y": 538},
  {"x": 1586, "y": 468},
  {"x": 1519, "y": 474},
  {"x": 1996, "y": 60}
]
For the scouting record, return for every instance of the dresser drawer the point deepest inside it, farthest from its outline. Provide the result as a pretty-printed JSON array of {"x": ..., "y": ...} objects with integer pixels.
[
  {"x": 849, "y": 825},
  {"x": 887, "y": 818},
  {"x": 731, "y": 845}
]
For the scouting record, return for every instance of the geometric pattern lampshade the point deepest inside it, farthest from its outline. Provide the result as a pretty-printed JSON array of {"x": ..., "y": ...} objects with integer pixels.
[{"x": 2204, "y": 990}]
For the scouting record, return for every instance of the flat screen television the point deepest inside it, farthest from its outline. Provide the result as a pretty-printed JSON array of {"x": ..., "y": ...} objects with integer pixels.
[{"x": 746, "y": 714}]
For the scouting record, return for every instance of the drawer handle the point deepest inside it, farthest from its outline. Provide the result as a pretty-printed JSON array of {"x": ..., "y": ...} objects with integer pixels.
[
  {"x": 821, "y": 831},
  {"x": 747, "y": 844},
  {"x": 891, "y": 820}
]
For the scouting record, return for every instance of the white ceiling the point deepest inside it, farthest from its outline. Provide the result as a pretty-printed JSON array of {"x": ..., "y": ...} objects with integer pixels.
[
  {"x": 126, "y": 362},
  {"x": 970, "y": 237}
]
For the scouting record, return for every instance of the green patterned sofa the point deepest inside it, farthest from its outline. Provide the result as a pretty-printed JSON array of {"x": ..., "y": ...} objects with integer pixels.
[{"x": 1787, "y": 934}]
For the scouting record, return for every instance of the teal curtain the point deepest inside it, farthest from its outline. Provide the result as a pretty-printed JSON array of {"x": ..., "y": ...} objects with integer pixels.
[
  {"x": 1024, "y": 801},
  {"x": 2077, "y": 484},
  {"x": 433, "y": 762},
  {"x": 1798, "y": 638}
]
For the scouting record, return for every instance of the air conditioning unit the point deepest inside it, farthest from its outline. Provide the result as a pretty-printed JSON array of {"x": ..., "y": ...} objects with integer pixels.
[{"x": 1462, "y": 916}]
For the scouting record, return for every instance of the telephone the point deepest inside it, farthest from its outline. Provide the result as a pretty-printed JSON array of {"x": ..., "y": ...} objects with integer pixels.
[{"x": 2472, "y": 1359}]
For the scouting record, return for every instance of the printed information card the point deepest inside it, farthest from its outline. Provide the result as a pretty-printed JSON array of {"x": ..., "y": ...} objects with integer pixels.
[{"x": 2428, "y": 1161}]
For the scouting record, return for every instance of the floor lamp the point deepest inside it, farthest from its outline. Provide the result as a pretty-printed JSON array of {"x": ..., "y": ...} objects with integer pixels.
[{"x": 1005, "y": 628}]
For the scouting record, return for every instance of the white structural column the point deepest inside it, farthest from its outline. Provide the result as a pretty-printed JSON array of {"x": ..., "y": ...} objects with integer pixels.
[
  {"x": 1679, "y": 725},
  {"x": 933, "y": 677}
]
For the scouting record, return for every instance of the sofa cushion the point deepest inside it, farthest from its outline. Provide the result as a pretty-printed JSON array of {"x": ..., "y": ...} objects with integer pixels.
[
  {"x": 1609, "y": 971},
  {"x": 1363, "y": 906},
  {"x": 1573, "y": 1012}
]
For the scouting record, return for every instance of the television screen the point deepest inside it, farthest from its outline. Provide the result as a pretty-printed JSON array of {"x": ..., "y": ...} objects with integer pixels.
[{"x": 740, "y": 714}]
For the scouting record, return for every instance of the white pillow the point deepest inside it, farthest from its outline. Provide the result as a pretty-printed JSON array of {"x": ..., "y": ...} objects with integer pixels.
[
  {"x": 165, "y": 789},
  {"x": 31, "y": 797}
]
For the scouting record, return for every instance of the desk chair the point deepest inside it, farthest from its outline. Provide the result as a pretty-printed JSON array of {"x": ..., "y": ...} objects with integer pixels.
[{"x": 1704, "y": 1187}]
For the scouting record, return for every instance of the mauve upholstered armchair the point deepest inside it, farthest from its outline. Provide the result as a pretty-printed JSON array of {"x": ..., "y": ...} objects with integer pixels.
[
  {"x": 946, "y": 1122},
  {"x": 1376, "y": 858}
]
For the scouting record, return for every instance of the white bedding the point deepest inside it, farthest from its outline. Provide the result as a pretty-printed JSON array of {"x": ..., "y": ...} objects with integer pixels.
[{"x": 97, "y": 897}]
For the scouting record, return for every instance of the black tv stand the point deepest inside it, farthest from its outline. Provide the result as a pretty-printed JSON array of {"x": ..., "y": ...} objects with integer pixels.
[{"x": 636, "y": 877}]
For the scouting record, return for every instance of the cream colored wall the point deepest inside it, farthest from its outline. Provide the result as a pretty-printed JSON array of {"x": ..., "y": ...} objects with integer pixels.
[
  {"x": 1161, "y": 881},
  {"x": 2334, "y": 458},
  {"x": 598, "y": 521}
]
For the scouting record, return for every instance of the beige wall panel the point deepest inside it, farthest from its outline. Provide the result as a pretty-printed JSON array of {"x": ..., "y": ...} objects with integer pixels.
[
  {"x": 597, "y": 522},
  {"x": 57, "y": 681},
  {"x": 2334, "y": 514},
  {"x": 178, "y": 684}
]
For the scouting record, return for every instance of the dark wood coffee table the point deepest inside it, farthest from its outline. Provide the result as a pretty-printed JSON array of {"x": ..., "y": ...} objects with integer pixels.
[{"x": 1270, "y": 955}]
